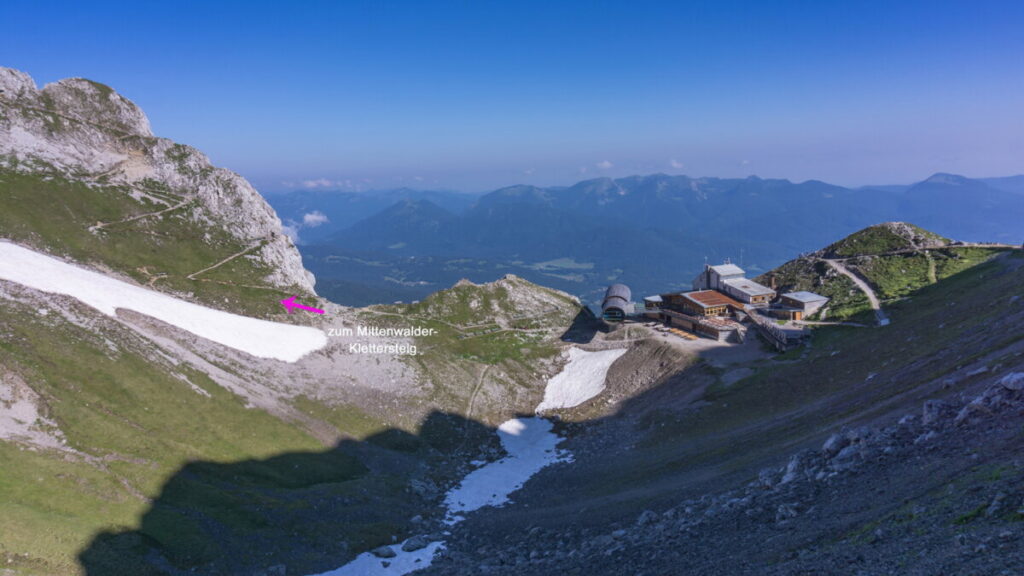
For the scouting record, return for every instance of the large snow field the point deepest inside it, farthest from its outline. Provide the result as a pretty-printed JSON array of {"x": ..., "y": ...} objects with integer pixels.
[
  {"x": 582, "y": 378},
  {"x": 260, "y": 338}
]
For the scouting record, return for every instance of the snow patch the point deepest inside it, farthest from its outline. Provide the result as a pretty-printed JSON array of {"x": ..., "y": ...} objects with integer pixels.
[
  {"x": 581, "y": 379},
  {"x": 260, "y": 338},
  {"x": 530, "y": 444},
  {"x": 366, "y": 564}
]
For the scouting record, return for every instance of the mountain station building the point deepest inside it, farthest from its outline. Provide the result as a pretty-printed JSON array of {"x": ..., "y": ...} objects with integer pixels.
[{"x": 724, "y": 302}]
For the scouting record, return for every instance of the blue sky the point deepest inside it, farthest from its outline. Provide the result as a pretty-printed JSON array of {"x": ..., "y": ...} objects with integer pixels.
[{"x": 477, "y": 95}]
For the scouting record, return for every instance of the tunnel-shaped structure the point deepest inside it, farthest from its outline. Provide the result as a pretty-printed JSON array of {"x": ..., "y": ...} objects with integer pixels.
[{"x": 617, "y": 304}]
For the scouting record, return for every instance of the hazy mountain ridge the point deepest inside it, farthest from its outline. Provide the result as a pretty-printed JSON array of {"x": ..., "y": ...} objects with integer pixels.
[
  {"x": 646, "y": 231},
  {"x": 341, "y": 209},
  {"x": 964, "y": 208}
]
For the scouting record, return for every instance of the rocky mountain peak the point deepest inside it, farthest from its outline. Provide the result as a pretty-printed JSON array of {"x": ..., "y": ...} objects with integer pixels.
[
  {"x": 948, "y": 179},
  {"x": 15, "y": 84},
  {"x": 77, "y": 100},
  {"x": 96, "y": 103},
  {"x": 916, "y": 236}
]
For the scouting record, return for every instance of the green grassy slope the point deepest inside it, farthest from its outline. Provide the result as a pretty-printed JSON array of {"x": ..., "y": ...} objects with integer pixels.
[
  {"x": 510, "y": 328},
  {"x": 133, "y": 423},
  {"x": 846, "y": 301},
  {"x": 895, "y": 259},
  {"x": 898, "y": 275},
  {"x": 882, "y": 238},
  {"x": 199, "y": 476}
]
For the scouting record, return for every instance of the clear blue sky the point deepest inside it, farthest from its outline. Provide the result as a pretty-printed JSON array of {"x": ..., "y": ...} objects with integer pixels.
[{"x": 476, "y": 95}]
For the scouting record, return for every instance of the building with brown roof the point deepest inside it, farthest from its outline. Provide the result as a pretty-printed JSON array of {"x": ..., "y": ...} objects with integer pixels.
[{"x": 708, "y": 303}]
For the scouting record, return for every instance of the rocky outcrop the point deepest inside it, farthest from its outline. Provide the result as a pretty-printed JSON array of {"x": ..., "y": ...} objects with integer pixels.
[{"x": 87, "y": 131}]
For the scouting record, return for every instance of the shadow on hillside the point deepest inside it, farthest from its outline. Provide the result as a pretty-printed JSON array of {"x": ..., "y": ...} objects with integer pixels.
[
  {"x": 583, "y": 328},
  {"x": 308, "y": 512}
]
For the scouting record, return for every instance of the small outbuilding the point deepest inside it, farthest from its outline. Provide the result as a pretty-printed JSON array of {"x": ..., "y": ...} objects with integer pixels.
[
  {"x": 652, "y": 306},
  {"x": 802, "y": 304},
  {"x": 748, "y": 291}
]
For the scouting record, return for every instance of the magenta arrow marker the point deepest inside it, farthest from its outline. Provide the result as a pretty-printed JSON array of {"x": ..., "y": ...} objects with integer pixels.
[{"x": 290, "y": 304}]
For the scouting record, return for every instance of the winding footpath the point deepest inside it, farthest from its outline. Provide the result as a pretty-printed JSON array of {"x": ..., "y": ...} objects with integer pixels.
[
  {"x": 838, "y": 264},
  {"x": 257, "y": 244},
  {"x": 880, "y": 315}
]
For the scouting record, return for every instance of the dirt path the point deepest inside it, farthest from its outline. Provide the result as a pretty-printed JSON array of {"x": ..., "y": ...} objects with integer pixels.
[
  {"x": 258, "y": 244},
  {"x": 820, "y": 323},
  {"x": 469, "y": 327},
  {"x": 931, "y": 268},
  {"x": 102, "y": 225},
  {"x": 930, "y": 249},
  {"x": 883, "y": 319},
  {"x": 476, "y": 392}
]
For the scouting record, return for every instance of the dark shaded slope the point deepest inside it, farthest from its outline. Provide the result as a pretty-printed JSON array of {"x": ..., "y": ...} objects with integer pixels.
[{"x": 295, "y": 510}]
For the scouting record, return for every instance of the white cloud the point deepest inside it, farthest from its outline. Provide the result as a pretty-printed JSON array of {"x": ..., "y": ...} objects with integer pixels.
[
  {"x": 318, "y": 183},
  {"x": 328, "y": 184},
  {"x": 291, "y": 232},
  {"x": 675, "y": 163},
  {"x": 529, "y": 171},
  {"x": 745, "y": 163},
  {"x": 314, "y": 219},
  {"x": 604, "y": 165}
]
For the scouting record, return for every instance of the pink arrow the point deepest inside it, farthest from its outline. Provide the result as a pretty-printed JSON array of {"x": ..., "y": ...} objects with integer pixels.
[{"x": 290, "y": 304}]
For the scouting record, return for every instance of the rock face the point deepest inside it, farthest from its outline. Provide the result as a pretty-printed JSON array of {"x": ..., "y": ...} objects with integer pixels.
[
  {"x": 87, "y": 131},
  {"x": 915, "y": 236}
]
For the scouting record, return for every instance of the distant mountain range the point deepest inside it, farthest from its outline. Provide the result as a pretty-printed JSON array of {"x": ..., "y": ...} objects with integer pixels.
[
  {"x": 652, "y": 232},
  {"x": 342, "y": 209}
]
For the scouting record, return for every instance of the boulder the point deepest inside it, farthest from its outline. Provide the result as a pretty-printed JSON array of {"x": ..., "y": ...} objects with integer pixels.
[
  {"x": 786, "y": 511},
  {"x": 934, "y": 411},
  {"x": 835, "y": 444},
  {"x": 383, "y": 552},
  {"x": 415, "y": 543},
  {"x": 1013, "y": 381},
  {"x": 968, "y": 412},
  {"x": 646, "y": 517}
]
